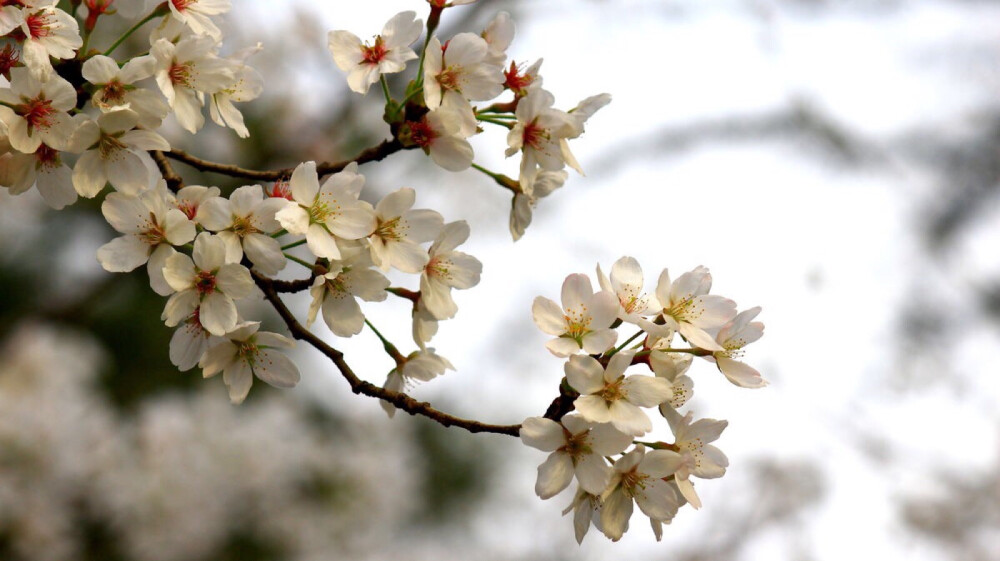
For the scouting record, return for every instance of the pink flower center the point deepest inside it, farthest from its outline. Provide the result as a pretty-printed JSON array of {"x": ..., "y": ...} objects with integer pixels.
[
  {"x": 448, "y": 78},
  {"x": 38, "y": 113},
  {"x": 47, "y": 157},
  {"x": 189, "y": 208},
  {"x": 281, "y": 189},
  {"x": 373, "y": 54},
  {"x": 38, "y": 25},
  {"x": 422, "y": 134},
  {"x": 182, "y": 5},
  {"x": 179, "y": 74},
  {"x": 515, "y": 81},
  {"x": 8, "y": 59},
  {"x": 154, "y": 234},
  {"x": 204, "y": 282},
  {"x": 534, "y": 135}
]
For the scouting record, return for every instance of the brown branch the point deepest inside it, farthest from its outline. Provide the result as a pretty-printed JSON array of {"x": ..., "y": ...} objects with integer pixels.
[
  {"x": 174, "y": 181},
  {"x": 400, "y": 400},
  {"x": 373, "y": 154}
]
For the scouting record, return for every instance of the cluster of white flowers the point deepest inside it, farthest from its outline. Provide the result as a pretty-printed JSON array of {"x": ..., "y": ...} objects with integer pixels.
[
  {"x": 74, "y": 119},
  {"x": 609, "y": 404},
  {"x": 438, "y": 116}
]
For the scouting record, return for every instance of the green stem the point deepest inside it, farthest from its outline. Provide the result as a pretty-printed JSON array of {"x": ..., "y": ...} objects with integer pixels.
[
  {"x": 279, "y": 233},
  {"x": 502, "y": 180},
  {"x": 385, "y": 90},
  {"x": 293, "y": 244},
  {"x": 302, "y": 262},
  {"x": 390, "y": 349},
  {"x": 623, "y": 345},
  {"x": 152, "y": 15},
  {"x": 505, "y": 124}
]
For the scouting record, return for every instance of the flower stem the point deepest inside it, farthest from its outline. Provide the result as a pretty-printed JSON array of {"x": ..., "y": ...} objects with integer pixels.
[
  {"x": 157, "y": 12},
  {"x": 279, "y": 233},
  {"x": 385, "y": 90},
  {"x": 390, "y": 349},
  {"x": 501, "y": 179},
  {"x": 622, "y": 346},
  {"x": 294, "y": 244},
  {"x": 505, "y": 124},
  {"x": 302, "y": 262}
]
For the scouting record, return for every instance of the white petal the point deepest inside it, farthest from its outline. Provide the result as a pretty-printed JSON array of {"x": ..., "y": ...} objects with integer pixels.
[
  {"x": 543, "y": 434},
  {"x": 554, "y": 475}
]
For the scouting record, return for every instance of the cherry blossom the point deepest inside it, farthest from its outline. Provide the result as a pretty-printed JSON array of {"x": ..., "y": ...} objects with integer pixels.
[
  {"x": 113, "y": 157},
  {"x": 460, "y": 69},
  {"x": 735, "y": 335},
  {"x": 608, "y": 396},
  {"x": 49, "y": 32},
  {"x": 626, "y": 283},
  {"x": 246, "y": 352},
  {"x": 187, "y": 70},
  {"x": 578, "y": 448},
  {"x": 400, "y": 229},
  {"x": 150, "y": 229},
  {"x": 116, "y": 88},
  {"x": 336, "y": 293},
  {"x": 36, "y": 112},
  {"x": 324, "y": 214},
  {"x": 366, "y": 63},
  {"x": 243, "y": 222},
  {"x": 638, "y": 476},
  {"x": 690, "y": 309},
  {"x": 447, "y": 269},
  {"x": 420, "y": 366},
  {"x": 207, "y": 283},
  {"x": 583, "y": 321},
  {"x": 197, "y": 14}
]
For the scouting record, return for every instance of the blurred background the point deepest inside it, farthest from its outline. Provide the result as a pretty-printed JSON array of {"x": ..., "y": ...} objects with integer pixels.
[{"x": 835, "y": 162}]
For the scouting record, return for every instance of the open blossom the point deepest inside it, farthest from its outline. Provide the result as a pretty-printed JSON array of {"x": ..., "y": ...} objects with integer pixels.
[
  {"x": 150, "y": 227},
  {"x": 578, "y": 449},
  {"x": 583, "y": 321},
  {"x": 638, "y": 476},
  {"x": 521, "y": 80},
  {"x": 337, "y": 291},
  {"x": 540, "y": 134},
  {"x": 586, "y": 509},
  {"x": 672, "y": 367},
  {"x": 608, "y": 396},
  {"x": 189, "y": 199},
  {"x": 244, "y": 223},
  {"x": 448, "y": 269},
  {"x": 115, "y": 88},
  {"x": 197, "y": 14},
  {"x": 626, "y": 284},
  {"x": 441, "y": 134},
  {"x": 246, "y": 352},
  {"x": 44, "y": 169},
  {"x": 36, "y": 112},
  {"x": 694, "y": 455},
  {"x": 247, "y": 86},
  {"x": 187, "y": 70},
  {"x": 423, "y": 365},
  {"x": 365, "y": 63},
  {"x": 400, "y": 229},
  {"x": 324, "y": 214},
  {"x": 207, "y": 283},
  {"x": 113, "y": 157},
  {"x": 689, "y": 309},
  {"x": 735, "y": 335},
  {"x": 48, "y": 32},
  {"x": 460, "y": 69}
]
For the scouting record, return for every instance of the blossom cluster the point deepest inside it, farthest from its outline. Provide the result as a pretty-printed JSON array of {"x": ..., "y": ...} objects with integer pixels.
[
  {"x": 75, "y": 119},
  {"x": 608, "y": 406}
]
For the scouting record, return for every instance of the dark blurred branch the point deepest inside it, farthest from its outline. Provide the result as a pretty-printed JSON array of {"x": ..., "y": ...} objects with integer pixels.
[
  {"x": 373, "y": 154},
  {"x": 359, "y": 386},
  {"x": 174, "y": 181}
]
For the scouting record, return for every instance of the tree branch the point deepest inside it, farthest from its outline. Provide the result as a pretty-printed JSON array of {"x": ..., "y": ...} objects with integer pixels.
[
  {"x": 373, "y": 154},
  {"x": 174, "y": 181},
  {"x": 400, "y": 400}
]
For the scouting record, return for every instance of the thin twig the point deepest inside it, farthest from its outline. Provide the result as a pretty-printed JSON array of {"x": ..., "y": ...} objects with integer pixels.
[
  {"x": 373, "y": 154},
  {"x": 359, "y": 386},
  {"x": 174, "y": 181}
]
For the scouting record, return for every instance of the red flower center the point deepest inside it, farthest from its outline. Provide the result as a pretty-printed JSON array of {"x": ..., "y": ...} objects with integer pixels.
[
  {"x": 179, "y": 74},
  {"x": 373, "y": 54},
  {"x": 38, "y": 113},
  {"x": 421, "y": 133},
  {"x": 38, "y": 25},
  {"x": 534, "y": 135},
  {"x": 204, "y": 282}
]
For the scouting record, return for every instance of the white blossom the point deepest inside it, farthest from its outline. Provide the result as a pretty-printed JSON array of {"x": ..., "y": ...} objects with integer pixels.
[
  {"x": 608, "y": 396},
  {"x": 447, "y": 269},
  {"x": 246, "y": 352},
  {"x": 582, "y": 323},
  {"x": 388, "y": 53},
  {"x": 400, "y": 229},
  {"x": 244, "y": 222}
]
